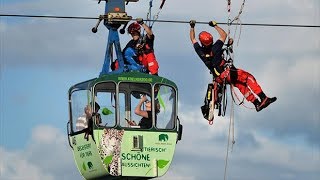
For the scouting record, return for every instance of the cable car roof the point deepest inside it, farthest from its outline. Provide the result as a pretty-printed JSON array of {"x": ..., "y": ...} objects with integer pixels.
[{"x": 135, "y": 77}]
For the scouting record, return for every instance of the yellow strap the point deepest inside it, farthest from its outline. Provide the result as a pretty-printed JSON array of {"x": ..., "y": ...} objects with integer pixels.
[{"x": 216, "y": 72}]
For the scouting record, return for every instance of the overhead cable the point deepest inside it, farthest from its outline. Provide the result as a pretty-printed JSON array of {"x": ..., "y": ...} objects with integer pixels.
[{"x": 158, "y": 20}]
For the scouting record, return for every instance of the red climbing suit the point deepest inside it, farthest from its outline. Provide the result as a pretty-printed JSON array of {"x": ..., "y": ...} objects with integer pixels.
[
  {"x": 149, "y": 61},
  {"x": 146, "y": 56},
  {"x": 243, "y": 80}
]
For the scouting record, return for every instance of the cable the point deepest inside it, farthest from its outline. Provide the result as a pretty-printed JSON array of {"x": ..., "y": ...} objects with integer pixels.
[
  {"x": 42, "y": 16},
  {"x": 164, "y": 21}
]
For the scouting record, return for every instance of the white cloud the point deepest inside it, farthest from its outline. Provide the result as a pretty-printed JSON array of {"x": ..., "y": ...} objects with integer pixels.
[
  {"x": 47, "y": 156},
  {"x": 277, "y": 153},
  {"x": 295, "y": 72},
  {"x": 47, "y": 135},
  {"x": 15, "y": 166}
]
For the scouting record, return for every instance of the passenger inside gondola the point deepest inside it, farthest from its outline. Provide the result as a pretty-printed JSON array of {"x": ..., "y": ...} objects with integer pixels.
[{"x": 145, "y": 113}]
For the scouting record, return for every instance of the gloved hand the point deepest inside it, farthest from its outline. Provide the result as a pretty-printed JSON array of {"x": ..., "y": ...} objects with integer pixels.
[
  {"x": 140, "y": 21},
  {"x": 230, "y": 42},
  {"x": 212, "y": 23},
  {"x": 139, "y": 46},
  {"x": 192, "y": 23}
]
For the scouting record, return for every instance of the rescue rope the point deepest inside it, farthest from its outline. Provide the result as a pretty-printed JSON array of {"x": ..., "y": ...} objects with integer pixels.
[
  {"x": 149, "y": 15},
  {"x": 229, "y": 15},
  {"x": 235, "y": 19},
  {"x": 151, "y": 20},
  {"x": 229, "y": 50},
  {"x": 231, "y": 133},
  {"x": 234, "y": 94},
  {"x": 156, "y": 16},
  {"x": 230, "y": 58}
]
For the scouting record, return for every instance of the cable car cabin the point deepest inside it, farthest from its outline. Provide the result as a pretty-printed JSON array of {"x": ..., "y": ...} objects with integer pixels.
[{"x": 110, "y": 144}]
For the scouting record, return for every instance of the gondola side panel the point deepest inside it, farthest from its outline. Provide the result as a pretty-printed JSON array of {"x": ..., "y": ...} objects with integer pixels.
[{"x": 87, "y": 157}]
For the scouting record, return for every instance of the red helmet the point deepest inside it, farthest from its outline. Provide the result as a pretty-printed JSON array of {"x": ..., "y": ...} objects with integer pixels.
[
  {"x": 205, "y": 38},
  {"x": 133, "y": 27}
]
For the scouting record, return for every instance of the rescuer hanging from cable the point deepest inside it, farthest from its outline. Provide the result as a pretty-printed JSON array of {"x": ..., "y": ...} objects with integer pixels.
[{"x": 211, "y": 55}]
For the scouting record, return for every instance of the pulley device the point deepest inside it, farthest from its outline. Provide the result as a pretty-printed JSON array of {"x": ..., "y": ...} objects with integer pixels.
[{"x": 115, "y": 16}]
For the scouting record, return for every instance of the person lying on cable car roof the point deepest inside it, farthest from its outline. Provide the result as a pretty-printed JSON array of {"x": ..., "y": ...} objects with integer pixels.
[
  {"x": 140, "y": 49},
  {"x": 146, "y": 114},
  {"x": 212, "y": 56}
]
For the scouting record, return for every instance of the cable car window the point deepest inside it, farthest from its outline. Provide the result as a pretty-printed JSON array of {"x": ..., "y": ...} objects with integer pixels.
[
  {"x": 105, "y": 97},
  {"x": 165, "y": 99},
  {"x": 129, "y": 101},
  {"x": 79, "y": 102}
]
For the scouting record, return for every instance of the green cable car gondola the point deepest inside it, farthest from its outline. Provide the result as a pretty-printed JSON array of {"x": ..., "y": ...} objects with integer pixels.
[
  {"x": 105, "y": 141},
  {"x": 113, "y": 147}
]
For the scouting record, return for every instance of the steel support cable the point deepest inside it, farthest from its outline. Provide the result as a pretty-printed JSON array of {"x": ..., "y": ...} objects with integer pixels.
[
  {"x": 50, "y": 17},
  {"x": 163, "y": 21}
]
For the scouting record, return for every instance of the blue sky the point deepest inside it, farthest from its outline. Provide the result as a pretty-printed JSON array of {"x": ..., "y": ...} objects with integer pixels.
[{"x": 42, "y": 58}]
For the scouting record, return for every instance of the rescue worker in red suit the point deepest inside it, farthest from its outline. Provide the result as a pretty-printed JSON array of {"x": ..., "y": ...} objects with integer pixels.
[
  {"x": 212, "y": 56},
  {"x": 143, "y": 47}
]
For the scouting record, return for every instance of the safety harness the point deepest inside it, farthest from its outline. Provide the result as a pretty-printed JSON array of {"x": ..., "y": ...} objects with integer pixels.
[{"x": 216, "y": 92}]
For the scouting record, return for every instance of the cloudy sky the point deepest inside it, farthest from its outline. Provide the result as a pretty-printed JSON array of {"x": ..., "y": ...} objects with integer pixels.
[{"x": 42, "y": 58}]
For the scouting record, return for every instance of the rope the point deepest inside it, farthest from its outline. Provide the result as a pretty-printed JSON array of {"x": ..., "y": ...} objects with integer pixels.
[
  {"x": 236, "y": 18},
  {"x": 231, "y": 131},
  {"x": 229, "y": 15},
  {"x": 235, "y": 31},
  {"x": 163, "y": 21},
  {"x": 52, "y": 17},
  {"x": 240, "y": 102},
  {"x": 230, "y": 59},
  {"x": 240, "y": 11},
  {"x": 149, "y": 12},
  {"x": 232, "y": 126},
  {"x": 156, "y": 16}
]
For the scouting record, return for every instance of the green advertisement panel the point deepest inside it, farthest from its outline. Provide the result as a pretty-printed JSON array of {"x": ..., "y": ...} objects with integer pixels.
[
  {"x": 146, "y": 153},
  {"x": 124, "y": 153},
  {"x": 86, "y": 156}
]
